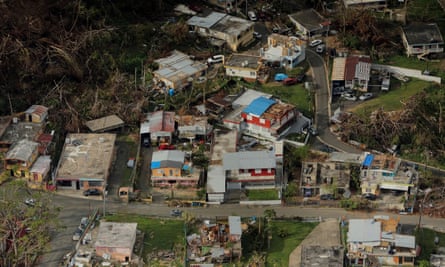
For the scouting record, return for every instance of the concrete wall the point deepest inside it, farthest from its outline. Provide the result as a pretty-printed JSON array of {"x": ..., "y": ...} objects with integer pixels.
[{"x": 407, "y": 72}]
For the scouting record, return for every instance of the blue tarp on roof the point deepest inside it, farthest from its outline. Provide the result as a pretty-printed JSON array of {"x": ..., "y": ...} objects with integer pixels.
[
  {"x": 368, "y": 160},
  {"x": 156, "y": 165},
  {"x": 259, "y": 106},
  {"x": 280, "y": 76}
]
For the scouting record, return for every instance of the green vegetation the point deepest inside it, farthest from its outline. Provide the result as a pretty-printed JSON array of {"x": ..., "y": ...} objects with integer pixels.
[
  {"x": 159, "y": 234},
  {"x": 264, "y": 194},
  {"x": 393, "y": 99},
  {"x": 281, "y": 247},
  {"x": 296, "y": 95},
  {"x": 425, "y": 238}
]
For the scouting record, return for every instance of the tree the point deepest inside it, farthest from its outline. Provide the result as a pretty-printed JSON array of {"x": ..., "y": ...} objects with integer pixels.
[{"x": 25, "y": 229}]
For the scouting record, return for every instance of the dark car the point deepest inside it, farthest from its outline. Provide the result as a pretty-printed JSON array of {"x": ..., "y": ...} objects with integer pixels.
[
  {"x": 290, "y": 81},
  {"x": 301, "y": 77},
  {"x": 91, "y": 192},
  {"x": 176, "y": 213},
  {"x": 327, "y": 197},
  {"x": 370, "y": 196}
]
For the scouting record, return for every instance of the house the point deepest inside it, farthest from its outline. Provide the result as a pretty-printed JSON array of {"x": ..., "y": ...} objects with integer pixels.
[
  {"x": 86, "y": 161},
  {"x": 357, "y": 72},
  {"x": 285, "y": 51},
  {"x": 193, "y": 127},
  {"x": 379, "y": 241},
  {"x": 248, "y": 67},
  {"x": 421, "y": 39},
  {"x": 217, "y": 106},
  {"x": 216, "y": 184},
  {"x": 222, "y": 29},
  {"x": 105, "y": 124},
  {"x": 160, "y": 126},
  {"x": 385, "y": 172},
  {"x": 177, "y": 70},
  {"x": 316, "y": 255},
  {"x": 310, "y": 23},
  {"x": 39, "y": 171},
  {"x": 17, "y": 130},
  {"x": 116, "y": 241},
  {"x": 36, "y": 113},
  {"x": 168, "y": 168},
  {"x": 366, "y": 4},
  {"x": 258, "y": 114},
  {"x": 324, "y": 178},
  {"x": 20, "y": 157},
  {"x": 250, "y": 169}
]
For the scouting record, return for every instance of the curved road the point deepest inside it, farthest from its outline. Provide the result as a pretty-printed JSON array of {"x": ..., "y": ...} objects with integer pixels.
[{"x": 322, "y": 102}]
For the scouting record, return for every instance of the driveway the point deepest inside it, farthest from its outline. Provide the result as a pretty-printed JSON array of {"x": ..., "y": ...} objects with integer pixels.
[{"x": 322, "y": 104}]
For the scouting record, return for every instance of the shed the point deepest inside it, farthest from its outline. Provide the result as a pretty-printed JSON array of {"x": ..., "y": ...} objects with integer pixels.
[{"x": 105, "y": 124}]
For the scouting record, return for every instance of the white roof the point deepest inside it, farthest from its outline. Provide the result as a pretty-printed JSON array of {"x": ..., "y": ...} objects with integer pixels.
[
  {"x": 249, "y": 160},
  {"x": 235, "y": 225},
  {"x": 206, "y": 22},
  {"x": 364, "y": 230},
  {"x": 362, "y": 70},
  {"x": 216, "y": 179},
  {"x": 171, "y": 155},
  {"x": 42, "y": 165},
  {"x": 247, "y": 97}
]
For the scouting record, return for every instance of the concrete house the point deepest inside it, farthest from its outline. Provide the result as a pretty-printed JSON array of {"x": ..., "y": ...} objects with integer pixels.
[
  {"x": 379, "y": 241},
  {"x": 21, "y": 156},
  {"x": 177, "y": 70},
  {"x": 324, "y": 178},
  {"x": 159, "y": 126},
  {"x": 248, "y": 67},
  {"x": 16, "y": 129},
  {"x": 39, "y": 172},
  {"x": 168, "y": 169},
  {"x": 193, "y": 127},
  {"x": 421, "y": 39},
  {"x": 250, "y": 169},
  {"x": 86, "y": 161},
  {"x": 223, "y": 29},
  {"x": 357, "y": 72},
  {"x": 310, "y": 22},
  {"x": 116, "y": 241},
  {"x": 288, "y": 51}
]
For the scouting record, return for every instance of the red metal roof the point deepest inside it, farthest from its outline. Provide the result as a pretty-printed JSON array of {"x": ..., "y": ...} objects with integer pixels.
[{"x": 351, "y": 62}]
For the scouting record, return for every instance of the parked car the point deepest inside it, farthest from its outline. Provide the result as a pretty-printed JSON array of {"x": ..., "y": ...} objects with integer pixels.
[
  {"x": 320, "y": 48},
  {"x": 146, "y": 142},
  {"x": 176, "y": 213},
  {"x": 91, "y": 192},
  {"x": 166, "y": 147},
  {"x": 77, "y": 234},
  {"x": 257, "y": 35},
  {"x": 315, "y": 42},
  {"x": 369, "y": 196},
  {"x": 290, "y": 81},
  {"x": 327, "y": 197},
  {"x": 30, "y": 202},
  {"x": 349, "y": 96},
  {"x": 301, "y": 77},
  {"x": 252, "y": 15},
  {"x": 366, "y": 96},
  {"x": 215, "y": 59},
  {"x": 279, "y": 77}
]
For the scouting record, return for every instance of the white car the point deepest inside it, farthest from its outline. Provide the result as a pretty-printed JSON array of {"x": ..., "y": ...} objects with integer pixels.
[
  {"x": 315, "y": 42},
  {"x": 257, "y": 35},
  {"x": 320, "y": 48},
  {"x": 215, "y": 59},
  {"x": 366, "y": 96},
  {"x": 252, "y": 15},
  {"x": 348, "y": 96}
]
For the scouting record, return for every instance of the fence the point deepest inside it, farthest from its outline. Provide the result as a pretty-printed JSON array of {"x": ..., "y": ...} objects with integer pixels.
[{"x": 407, "y": 72}]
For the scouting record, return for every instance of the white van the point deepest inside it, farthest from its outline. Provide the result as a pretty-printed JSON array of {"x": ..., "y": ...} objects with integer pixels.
[{"x": 215, "y": 59}]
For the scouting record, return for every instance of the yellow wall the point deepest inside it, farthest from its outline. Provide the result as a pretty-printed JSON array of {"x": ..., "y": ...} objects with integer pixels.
[{"x": 169, "y": 172}]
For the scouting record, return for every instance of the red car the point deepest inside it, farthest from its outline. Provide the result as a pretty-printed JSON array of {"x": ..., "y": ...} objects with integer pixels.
[
  {"x": 290, "y": 81},
  {"x": 167, "y": 147}
]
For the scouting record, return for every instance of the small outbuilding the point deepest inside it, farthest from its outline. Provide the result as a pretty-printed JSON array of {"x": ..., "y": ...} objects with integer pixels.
[{"x": 116, "y": 241}]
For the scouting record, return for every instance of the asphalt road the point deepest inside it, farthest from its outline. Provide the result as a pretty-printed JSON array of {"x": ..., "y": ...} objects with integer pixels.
[
  {"x": 322, "y": 104},
  {"x": 73, "y": 209}
]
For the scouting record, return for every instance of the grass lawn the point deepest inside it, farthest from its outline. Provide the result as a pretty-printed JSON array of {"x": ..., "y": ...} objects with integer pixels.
[
  {"x": 159, "y": 234},
  {"x": 280, "y": 248},
  {"x": 266, "y": 194},
  {"x": 392, "y": 99},
  {"x": 425, "y": 238},
  {"x": 296, "y": 95}
]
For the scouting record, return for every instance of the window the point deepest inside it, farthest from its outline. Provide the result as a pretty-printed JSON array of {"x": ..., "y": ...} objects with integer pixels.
[
  {"x": 252, "y": 73},
  {"x": 171, "y": 172},
  {"x": 257, "y": 171},
  {"x": 249, "y": 117},
  {"x": 262, "y": 121}
]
